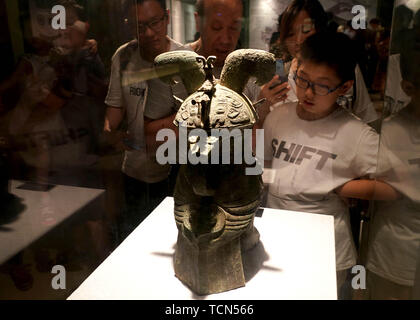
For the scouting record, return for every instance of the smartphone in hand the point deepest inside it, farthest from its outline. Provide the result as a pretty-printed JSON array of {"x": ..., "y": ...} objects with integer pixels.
[{"x": 281, "y": 72}]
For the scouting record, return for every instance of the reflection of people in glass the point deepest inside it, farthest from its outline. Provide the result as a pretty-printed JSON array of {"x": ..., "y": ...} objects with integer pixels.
[
  {"x": 219, "y": 23},
  {"x": 82, "y": 74},
  {"x": 47, "y": 78},
  {"x": 314, "y": 145},
  {"x": 401, "y": 23},
  {"x": 395, "y": 229},
  {"x": 382, "y": 48},
  {"x": 395, "y": 96},
  {"x": 31, "y": 117},
  {"x": 301, "y": 19},
  {"x": 145, "y": 103}
]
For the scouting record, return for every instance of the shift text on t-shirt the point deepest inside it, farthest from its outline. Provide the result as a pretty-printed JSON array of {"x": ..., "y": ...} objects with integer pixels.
[{"x": 296, "y": 153}]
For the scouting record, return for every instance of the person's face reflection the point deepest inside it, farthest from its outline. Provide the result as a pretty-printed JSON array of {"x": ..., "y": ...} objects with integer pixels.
[
  {"x": 152, "y": 27},
  {"x": 302, "y": 28},
  {"x": 220, "y": 28},
  {"x": 71, "y": 16}
]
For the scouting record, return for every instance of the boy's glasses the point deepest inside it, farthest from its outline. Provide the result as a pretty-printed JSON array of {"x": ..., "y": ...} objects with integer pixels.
[
  {"x": 155, "y": 25},
  {"x": 318, "y": 89}
]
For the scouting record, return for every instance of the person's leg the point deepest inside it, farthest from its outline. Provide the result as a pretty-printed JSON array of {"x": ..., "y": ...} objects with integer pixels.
[
  {"x": 113, "y": 180},
  {"x": 156, "y": 193},
  {"x": 141, "y": 199},
  {"x": 136, "y": 205},
  {"x": 344, "y": 291}
]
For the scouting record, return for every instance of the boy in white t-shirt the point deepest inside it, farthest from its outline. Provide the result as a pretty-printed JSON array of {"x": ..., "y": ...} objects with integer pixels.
[{"x": 314, "y": 146}]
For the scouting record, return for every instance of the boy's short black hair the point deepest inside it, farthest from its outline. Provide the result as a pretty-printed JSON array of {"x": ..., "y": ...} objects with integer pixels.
[{"x": 333, "y": 49}]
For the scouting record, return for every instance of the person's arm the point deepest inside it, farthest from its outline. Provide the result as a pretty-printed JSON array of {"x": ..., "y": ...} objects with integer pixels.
[
  {"x": 152, "y": 127},
  {"x": 113, "y": 118},
  {"x": 368, "y": 190},
  {"x": 115, "y": 110},
  {"x": 112, "y": 135}
]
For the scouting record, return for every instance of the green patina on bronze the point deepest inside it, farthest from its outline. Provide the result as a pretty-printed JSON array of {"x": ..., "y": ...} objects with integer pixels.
[{"x": 215, "y": 205}]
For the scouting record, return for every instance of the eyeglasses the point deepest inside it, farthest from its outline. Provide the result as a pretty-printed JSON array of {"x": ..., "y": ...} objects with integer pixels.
[
  {"x": 155, "y": 25},
  {"x": 303, "y": 28},
  {"x": 318, "y": 89}
]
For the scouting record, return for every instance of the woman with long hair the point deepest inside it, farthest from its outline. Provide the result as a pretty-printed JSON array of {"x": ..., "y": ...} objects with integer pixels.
[{"x": 301, "y": 19}]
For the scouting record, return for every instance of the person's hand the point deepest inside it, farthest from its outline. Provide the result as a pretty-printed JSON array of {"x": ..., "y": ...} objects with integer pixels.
[
  {"x": 116, "y": 139},
  {"x": 92, "y": 45},
  {"x": 274, "y": 91}
]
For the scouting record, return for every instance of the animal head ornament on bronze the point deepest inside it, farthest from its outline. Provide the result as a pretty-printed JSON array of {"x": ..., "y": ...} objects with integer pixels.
[{"x": 215, "y": 204}]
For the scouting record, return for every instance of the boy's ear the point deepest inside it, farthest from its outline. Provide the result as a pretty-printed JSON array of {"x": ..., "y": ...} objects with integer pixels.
[
  {"x": 345, "y": 87},
  {"x": 408, "y": 88}
]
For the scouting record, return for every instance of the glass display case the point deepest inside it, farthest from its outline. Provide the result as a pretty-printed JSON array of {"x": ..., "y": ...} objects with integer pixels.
[{"x": 84, "y": 170}]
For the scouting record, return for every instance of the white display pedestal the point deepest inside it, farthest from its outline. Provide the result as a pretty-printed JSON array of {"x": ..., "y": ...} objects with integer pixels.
[
  {"x": 300, "y": 261},
  {"x": 43, "y": 211}
]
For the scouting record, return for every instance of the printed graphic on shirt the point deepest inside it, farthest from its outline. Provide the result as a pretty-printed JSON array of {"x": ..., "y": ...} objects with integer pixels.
[
  {"x": 296, "y": 153},
  {"x": 136, "y": 91}
]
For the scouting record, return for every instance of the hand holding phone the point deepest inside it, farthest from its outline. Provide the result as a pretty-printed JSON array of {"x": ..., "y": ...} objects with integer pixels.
[
  {"x": 277, "y": 88},
  {"x": 280, "y": 72}
]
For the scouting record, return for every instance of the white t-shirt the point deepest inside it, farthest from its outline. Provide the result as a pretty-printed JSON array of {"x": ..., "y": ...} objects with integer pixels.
[
  {"x": 311, "y": 159},
  {"x": 132, "y": 92},
  {"x": 395, "y": 228},
  {"x": 395, "y": 97}
]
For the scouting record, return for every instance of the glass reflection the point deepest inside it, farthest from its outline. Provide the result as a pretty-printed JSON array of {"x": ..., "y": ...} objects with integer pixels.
[
  {"x": 92, "y": 188},
  {"x": 395, "y": 227}
]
